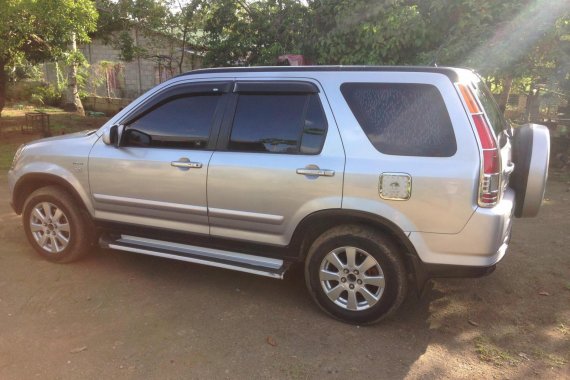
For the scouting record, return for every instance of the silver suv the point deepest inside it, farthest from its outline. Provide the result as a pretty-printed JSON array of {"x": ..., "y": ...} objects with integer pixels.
[{"x": 376, "y": 178}]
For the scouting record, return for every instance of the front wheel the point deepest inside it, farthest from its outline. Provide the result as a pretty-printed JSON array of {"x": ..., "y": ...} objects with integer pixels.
[
  {"x": 55, "y": 225},
  {"x": 355, "y": 274}
]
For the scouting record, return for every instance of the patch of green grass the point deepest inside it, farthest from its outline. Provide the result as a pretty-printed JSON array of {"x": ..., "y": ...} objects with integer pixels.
[
  {"x": 7, "y": 154},
  {"x": 567, "y": 286},
  {"x": 48, "y": 109},
  {"x": 551, "y": 359},
  {"x": 56, "y": 129},
  {"x": 491, "y": 353}
]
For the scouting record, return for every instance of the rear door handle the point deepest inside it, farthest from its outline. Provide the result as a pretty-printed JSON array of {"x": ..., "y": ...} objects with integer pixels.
[
  {"x": 316, "y": 172},
  {"x": 186, "y": 164}
]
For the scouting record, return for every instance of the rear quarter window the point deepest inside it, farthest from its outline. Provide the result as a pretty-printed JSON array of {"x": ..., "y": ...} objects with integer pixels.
[
  {"x": 490, "y": 106},
  {"x": 402, "y": 119}
]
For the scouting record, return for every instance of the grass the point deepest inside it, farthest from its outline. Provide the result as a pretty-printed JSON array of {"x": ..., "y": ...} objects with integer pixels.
[
  {"x": 551, "y": 359},
  {"x": 490, "y": 353},
  {"x": 21, "y": 109},
  {"x": 56, "y": 129},
  {"x": 7, "y": 154}
]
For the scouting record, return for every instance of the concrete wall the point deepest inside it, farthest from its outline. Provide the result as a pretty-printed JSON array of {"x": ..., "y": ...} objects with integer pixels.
[
  {"x": 136, "y": 77},
  {"x": 109, "y": 106}
]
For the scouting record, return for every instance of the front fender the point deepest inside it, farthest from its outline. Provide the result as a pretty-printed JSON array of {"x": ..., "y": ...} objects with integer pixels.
[{"x": 34, "y": 175}]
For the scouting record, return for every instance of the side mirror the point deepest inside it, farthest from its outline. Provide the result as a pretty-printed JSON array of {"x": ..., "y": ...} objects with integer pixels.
[{"x": 112, "y": 136}]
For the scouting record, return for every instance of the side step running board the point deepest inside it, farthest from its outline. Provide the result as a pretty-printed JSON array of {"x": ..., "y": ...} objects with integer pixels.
[{"x": 263, "y": 266}]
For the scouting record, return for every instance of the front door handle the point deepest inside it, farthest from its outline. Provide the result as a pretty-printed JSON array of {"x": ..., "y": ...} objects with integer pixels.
[
  {"x": 316, "y": 172},
  {"x": 185, "y": 163}
]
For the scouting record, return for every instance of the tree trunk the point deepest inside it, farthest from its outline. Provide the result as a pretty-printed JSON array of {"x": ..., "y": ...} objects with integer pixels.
[
  {"x": 182, "y": 50},
  {"x": 72, "y": 101},
  {"x": 3, "y": 84},
  {"x": 138, "y": 61},
  {"x": 504, "y": 97}
]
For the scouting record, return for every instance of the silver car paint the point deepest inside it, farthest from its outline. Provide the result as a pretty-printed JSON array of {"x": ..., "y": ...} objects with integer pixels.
[
  {"x": 140, "y": 186},
  {"x": 62, "y": 156},
  {"x": 440, "y": 214},
  {"x": 439, "y": 183},
  {"x": 250, "y": 195},
  {"x": 482, "y": 242}
]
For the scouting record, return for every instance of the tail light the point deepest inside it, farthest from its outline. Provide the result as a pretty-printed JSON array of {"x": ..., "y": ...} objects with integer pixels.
[{"x": 490, "y": 178}]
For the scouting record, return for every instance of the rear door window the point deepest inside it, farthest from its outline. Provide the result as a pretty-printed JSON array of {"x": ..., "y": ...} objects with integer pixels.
[
  {"x": 402, "y": 119},
  {"x": 278, "y": 123}
]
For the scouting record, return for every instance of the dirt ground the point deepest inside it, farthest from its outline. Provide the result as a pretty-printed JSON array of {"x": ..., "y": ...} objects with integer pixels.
[{"x": 120, "y": 315}]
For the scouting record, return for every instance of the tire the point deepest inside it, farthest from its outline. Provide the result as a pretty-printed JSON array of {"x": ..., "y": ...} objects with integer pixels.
[
  {"x": 531, "y": 153},
  {"x": 382, "y": 274},
  {"x": 56, "y": 226}
]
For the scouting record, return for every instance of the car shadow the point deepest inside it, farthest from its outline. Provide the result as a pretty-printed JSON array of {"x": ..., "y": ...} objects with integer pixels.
[{"x": 235, "y": 308}]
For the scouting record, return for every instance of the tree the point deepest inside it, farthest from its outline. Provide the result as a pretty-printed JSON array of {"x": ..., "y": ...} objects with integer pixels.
[
  {"x": 386, "y": 32},
  {"x": 505, "y": 40},
  {"x": 37, "y": 31},
  {"x": 184, "y": 25},
  {"x": 166, "y": 26},
  {"x": 239, "y": 32}
]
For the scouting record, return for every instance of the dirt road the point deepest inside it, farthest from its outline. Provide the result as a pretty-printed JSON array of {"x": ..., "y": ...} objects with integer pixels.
[{"x": 119, "y": 315}]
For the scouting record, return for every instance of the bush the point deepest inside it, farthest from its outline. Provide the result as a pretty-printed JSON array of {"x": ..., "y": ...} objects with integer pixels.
[
  {"x": 21, "y": 91},
  {"x": 46, "y": 95},
  {"x": 37, "y": 93}
]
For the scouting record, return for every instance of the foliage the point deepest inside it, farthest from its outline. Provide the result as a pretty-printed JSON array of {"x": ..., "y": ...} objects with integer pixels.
[
  {"x": 122, "y": 22},
  {"x": 36, "y": 31},
  {"x": 252, "y": 33},
  {"x": 47, "y": 95},
  {"x": 361, "y": 32},
  {"x": 520, "y": 44},
  {"x": 41, "y": 30}
]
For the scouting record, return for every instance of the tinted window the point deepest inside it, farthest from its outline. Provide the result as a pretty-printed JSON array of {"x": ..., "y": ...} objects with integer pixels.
[
  {"x": 315, "y": 127},
  {"x": 402, "y": 119},
  {"x": 490, "y": 106},
  {"x": 183, "y": 122},
  {"x": 278, "y": 124}
]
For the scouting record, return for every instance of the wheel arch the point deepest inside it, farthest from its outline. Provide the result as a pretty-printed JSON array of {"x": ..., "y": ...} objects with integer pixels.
[
  {"x": 29, "y": 183},
  {"x": 313, "y": 225},
  {"x": 318, "y": 222}
]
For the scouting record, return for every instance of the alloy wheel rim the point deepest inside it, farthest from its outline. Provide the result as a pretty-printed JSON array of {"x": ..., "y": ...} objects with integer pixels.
[
  {"x": 352, "y": 278},
  {"x": 50, "y": 227}
]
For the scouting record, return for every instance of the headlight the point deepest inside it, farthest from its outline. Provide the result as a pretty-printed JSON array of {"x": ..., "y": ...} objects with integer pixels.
[{"x": 17, "y": 155}]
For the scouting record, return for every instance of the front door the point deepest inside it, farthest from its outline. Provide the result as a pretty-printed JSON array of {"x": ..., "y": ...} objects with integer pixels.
[{"x": 157, "y": 176}]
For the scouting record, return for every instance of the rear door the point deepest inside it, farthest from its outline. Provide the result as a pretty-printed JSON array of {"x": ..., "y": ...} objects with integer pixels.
[{"x": 279, "y": 158}]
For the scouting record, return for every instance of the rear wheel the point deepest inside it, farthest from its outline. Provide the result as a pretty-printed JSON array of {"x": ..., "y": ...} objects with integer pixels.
[
  {"x": 55, "y": 225},
  {"x": 355, "y": 274}
]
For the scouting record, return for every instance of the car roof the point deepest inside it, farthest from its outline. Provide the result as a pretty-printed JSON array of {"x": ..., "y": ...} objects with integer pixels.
[{"x": 450, "y": 72}]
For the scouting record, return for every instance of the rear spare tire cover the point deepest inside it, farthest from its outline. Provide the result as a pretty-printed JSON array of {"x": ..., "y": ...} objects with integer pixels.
[{"x": 531, "y": 152}]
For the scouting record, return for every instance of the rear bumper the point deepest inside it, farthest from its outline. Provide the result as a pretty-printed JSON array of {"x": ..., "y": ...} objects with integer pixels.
[{"x": 482, "y": 243}]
